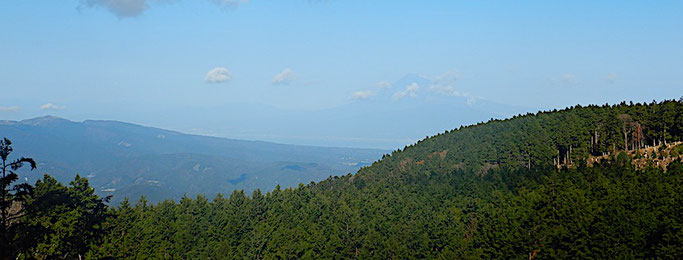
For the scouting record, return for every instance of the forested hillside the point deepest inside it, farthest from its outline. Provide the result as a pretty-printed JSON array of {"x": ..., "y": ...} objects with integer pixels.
[
  {"x": 128, "y": 160},
  {"x": 514, "y": 188},
  {"x": 553, "y": 137}
]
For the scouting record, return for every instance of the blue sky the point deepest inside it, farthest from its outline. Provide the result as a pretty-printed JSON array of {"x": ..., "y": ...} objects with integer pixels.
[{"x": 146, "y": 61}]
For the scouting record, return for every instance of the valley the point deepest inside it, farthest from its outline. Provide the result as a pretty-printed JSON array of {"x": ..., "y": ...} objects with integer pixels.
[{"x": 127, "y": 160}]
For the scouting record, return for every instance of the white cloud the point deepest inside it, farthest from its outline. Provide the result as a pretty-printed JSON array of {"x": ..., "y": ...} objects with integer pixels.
[
  {"x": 283, "y": 78},
  {"x": 409, "y": 91},
  {"x": 133, "y": 8},
  {"x": 444, "y": 84},
  {"x": 10, "y": 109},
  {"x": 565, "y": 79},
  {"x": 229, "y": 3},
  {"x": 50, "y": 106},
  {"x": 218, "y": 75},
  {"x": 384, "y": 84},
  {"x": 361, "y": 95},
  {"x": 121, "y": 8},
  {"x": 569, "y": 79},
  {"x": 447, "y": 78},
  {"x": 611, "y": 78},
  {"x": 446, "y": 90}
]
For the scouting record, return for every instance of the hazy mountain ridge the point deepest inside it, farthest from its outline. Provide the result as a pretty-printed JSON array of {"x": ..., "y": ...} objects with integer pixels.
[
  {"x": 125, "y": 159},
  {"x": 378, "y": 121},
  {"x": 486, "y": 191}
]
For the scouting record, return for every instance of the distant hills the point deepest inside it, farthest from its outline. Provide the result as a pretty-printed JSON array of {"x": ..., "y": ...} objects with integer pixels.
[
  {"x": 392, "y": 116},
  {"x": 127, "y": 160},
  {"x": 598, "y": 182}
]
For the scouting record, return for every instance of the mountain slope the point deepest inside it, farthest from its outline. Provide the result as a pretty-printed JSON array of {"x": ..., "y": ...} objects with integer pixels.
[
  {"x": 548, "y": 138},
  {"x": 468, "y": 193},
  {"x": 126, "y": 159}
]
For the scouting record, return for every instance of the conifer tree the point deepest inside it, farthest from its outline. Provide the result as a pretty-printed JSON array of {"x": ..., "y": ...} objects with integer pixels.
[{"x": 11, "y": 198}]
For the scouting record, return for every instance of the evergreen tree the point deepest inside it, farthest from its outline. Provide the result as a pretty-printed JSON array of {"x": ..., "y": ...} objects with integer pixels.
[{"x": 12, "y": 199}]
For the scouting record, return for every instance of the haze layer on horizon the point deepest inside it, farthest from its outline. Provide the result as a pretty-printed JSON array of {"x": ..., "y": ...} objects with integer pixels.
[{"x": 315, "y": 72}]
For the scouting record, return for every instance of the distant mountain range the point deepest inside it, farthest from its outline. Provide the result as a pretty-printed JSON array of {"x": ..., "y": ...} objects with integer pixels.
[
  {"x": 389, "y": 117},
  {"x": 385, "y": 116},
  {"x": 127, "y": 160}
]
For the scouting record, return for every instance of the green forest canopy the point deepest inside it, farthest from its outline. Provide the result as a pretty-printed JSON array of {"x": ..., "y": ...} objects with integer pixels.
[{"x": 514, "y": 188}]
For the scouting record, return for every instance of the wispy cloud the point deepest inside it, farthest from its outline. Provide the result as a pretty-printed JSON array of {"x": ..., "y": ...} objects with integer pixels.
[
  {"x": 569, "y": 79},
  {"x": 133, "y": 8},
  {"x": 611, "y": 78},
  {"x": 566, "y": 79},
  {"x": 218, "y": 75},
  {"x": 447, "y": 78},
  {"x": 50, "y": 106},
  {"x": 409, "y": 91},
  {"x": 10, "y": 109},
  {"x": 445, "y": 84},
  {"x": 283, "y": 78},
  {"x": 121, "y": 8},
  {"x": 229, "y": 3},
  {"x": 361, "y": 95},
  {"x": 446, "y": 90},
  {"x": 384, "y": 84}
]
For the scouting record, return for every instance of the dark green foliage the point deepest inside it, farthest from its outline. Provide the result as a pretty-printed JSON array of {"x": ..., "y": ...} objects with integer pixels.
[
  {"x": 493, "y": 193},
  {"x": 512, "y": 189},
  {"x": 67, "y": 219},
  {"x": 61, "y": 222},
  {"x": 540, "y": 139},
  {"x": 48, "y": 220},
  {"x": 11, "y": 198},
  {"x": 609, "y": 210}
]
